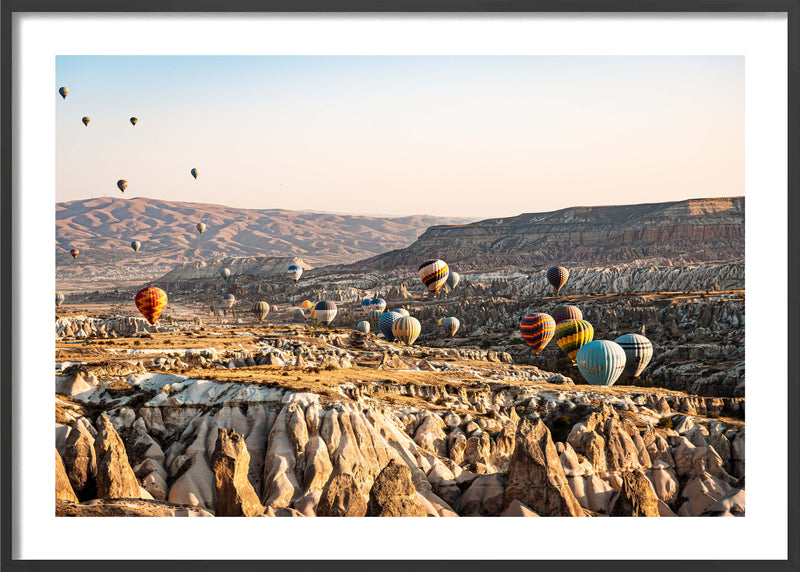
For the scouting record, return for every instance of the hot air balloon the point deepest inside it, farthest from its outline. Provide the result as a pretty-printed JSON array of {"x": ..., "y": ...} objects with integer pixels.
[
  {"x": 385, "y": 323},
  {"x": 439, "y": 321},
  {"x": 638, "y": 352},
  {"x": 295, "y": 271},
  {"x": 325, "y": 311},
  {"x": 433, "y": 274},
  {"x": 450, "y": 325},
  {"x": 122, "y": 184},
  {"x": 537, "y": 330},
  {"x": 378, "y": 304},
  {"x": 557, "y": 276},
  {"x": 151, "y": 302},
  {"x": 136, "y": 245},
  {"x": 86, "y": 121},
  {"x": 402, "y": 312},
  {"x": 273, "y": 308},
  {"x": 64, "y": 91},
  {"x": 406, "y": 330},
  {"x": 453, "y": 279},
  {"x": 313, "y": 313},
  {"x": 571, "y": 335},
  {"x": 229, "y": 300},
  {"x": 134, "y": 121},
  {"x": 306, "y": 304},
  {"x": 200, "y": 227},
  {"x": 194, "y": 173},
  {"x": 260, "y": 310},
  {"x": 601, "y": 362},
  {"x": 365, "y": 303},
  {"x": 566, "y": 312},
  {"x": 374, "y": 317},
  {"x": 59, "y": 299},
  {"x": 363, "y": 327},
  {"x": 225, "y": 273},
  {"x": 74, "y": 252},
  {"x": 299, "y": 316}
]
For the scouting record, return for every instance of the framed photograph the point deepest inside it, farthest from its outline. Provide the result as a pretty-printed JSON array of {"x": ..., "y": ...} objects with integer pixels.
[{"x": 422, "y": 262}]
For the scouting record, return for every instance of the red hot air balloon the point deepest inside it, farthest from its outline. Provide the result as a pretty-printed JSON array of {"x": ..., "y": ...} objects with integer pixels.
[
  {"x": 74, "y": 252},
  {"x": 537, "y": 330},
  {"x": 151, "y": 302}
]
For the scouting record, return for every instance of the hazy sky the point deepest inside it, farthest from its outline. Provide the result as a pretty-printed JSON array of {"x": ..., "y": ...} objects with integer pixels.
[{"x": 479, "y": 136}]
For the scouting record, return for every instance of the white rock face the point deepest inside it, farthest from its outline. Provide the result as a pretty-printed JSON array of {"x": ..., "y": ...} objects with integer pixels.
[{"x": 251, "y": 265}]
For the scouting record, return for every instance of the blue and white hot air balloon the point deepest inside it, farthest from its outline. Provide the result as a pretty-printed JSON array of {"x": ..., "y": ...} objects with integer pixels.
[{"x": 601, "y": 362}]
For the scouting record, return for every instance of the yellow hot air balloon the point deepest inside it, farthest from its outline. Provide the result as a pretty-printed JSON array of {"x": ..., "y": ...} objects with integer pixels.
[
  {"x": 200, "y": 227},
  {"x": 134, "y": 121},
  {"x": 86, "y": 121}
]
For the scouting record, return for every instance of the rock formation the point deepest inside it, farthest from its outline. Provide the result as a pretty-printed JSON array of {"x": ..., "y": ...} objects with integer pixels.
[
  {"x": 230, "y": 462},
  {"x": 115, "y": 478},
  {"x": 393, "y": 493}
]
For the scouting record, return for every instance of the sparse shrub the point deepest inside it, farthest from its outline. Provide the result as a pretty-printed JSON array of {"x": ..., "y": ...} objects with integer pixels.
[
  {"x": 285, "y": 374},
  {"x": 137, "y": 342},
  {"x": 713, "y": 415},
  {"x": 665, "y": 423}
]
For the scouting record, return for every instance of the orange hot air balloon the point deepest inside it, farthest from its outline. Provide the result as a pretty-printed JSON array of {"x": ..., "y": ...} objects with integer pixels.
[
  {"x": 151, "y": 302},
  {"x": 74, "y": 252}
]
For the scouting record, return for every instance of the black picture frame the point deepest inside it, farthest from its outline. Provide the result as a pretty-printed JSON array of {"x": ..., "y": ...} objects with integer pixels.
[{"x": 8, "y": 286}]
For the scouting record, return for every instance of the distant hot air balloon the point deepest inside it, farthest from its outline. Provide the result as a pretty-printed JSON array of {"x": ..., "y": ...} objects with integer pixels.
[
  {"x": 453, "y": 279},
  {"x": 298, "y": 316},
  {"x": 374, "y": 317},
  {"x": 433, "y": 274},
  {"x": 385, "y": 323},
  {"x": 86, "y": 121},
  {"x": 439, "y": 321},
  {"x": 638, "y": 353},
  {"x": 200, "y": 227},
  {"x": 450, "y": 325},
  {"x": 225, "y": 273},
  {"x": 59, "y": 299},
  {"x": 273, "y": 308},
  {"x": 363, "y": 327},
  {"x": 571, "y": 335},
  {"x": 325, "y": 311},
  {"x": 64, "y": 91},
  {"x": 295, "y": 271},
  {"x": 313, "y": 313},
  {"x": 566, "y": 312},
  {"x": 537, "y": 330},
  {"x": 377, "y": 304},
  {"x": 136, "y": 245},
  {"x": 402, "y": 312},
  {"x": 151, "y": 302},
  {"x": 194, "y": 173},
  {"x": 365, "y": 305},
  {"x": 134, "y": 121},
  {"x": 74, "y": 252},
  {"x": 229, "y": 300},
  {"x": 306, "y": 304},
  {"x": 406, "y": 330},
  {"x": 601, "y": 362},
  {"x": 557, "y": 276},
  {"x": 260, "y": 310},
  {"x": 122, "y": 184}
]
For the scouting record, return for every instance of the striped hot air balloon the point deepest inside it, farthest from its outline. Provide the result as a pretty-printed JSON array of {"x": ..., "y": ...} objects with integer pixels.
[
  {"x": 571, "y": 335},
  {"x": 295, "y": 271},
  {"x": 601, "y": 362},
  {"x": 306, "y": 304},
  {"x": 325, "y": 311},
  {"x": 59, "y": 299},
  {"x": 385, "y": 323},
  {"x": 638, "y": 353},
  {"x": 450, "y": 325},
  {"x": 151, "y": 302},
  {"x": 537, "y": 330},
  {"x": 406, "y": 330},
  {"x": 365, "y": 305},
  {"x": 402, "y": 312},
  {"x": 377, "y": 304},
  {"x": 374, "y": 316},
  {"x": 229, "y": 300},
  {"x": 363, "y": 327},
  {"x": 453, "y": 279},
  {"x": 74, "y": 252},
  {"x": 433, "y": 274},
  {"x": 260, "y": 310},
  {"x": 557, "y": 276},
  {"x": 566, "y": 312},
  {"x": 273, "y": 308}
]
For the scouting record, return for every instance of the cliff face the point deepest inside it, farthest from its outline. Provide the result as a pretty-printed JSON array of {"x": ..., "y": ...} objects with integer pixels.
[
  {"x": 251, "y": 266},
  {"x": 695, "y": 230}
]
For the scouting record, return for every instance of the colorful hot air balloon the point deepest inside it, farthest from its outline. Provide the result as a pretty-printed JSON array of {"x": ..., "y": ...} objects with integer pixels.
[
  {"x": 134, "y": 121},
  {"x": 260, "y": 310},
  {"x": 59, "y": 299},
  {"x": 453, "y": 279},
  {"x": 122, "y": 184},
  {"x": 363, "y": 327},
  {"x": 313, "y": 313},
  {"x": 365, "y": 303},
  {"x": 229, "y": 300},
  {"x": 151, "y": 302},
  {"x": 74, "y": 252},
  {"x": 385, "y": 323},
  {"x": 450, "y": 325},
  {"x": 402, "y": 312},
  {"x": 295, "y": 271},
  {"x": 374, "y": 317},
  {"x": 433, "y": 274},
  {"x": 439, "y": 321},
  {"x": 571, "y": 335},
  {"x": 136, "y": 245},
  {"x": 306, "y": 304},
  {"x": 601, "y": 362},
  {"x": 377, "y": 304},
  {"x": 225, "y": 273},
  {"x": 557, "y": 276},
  {"x": 566, "y": 312},
  {"x": 200, "y": 227},
  {"x": 537, "y": 330},
  {"x": 64, "y": 91},
  {"x": 638, "y": 352},
  {"x": 406, "y": 330},
  {"x": 194, "y": 173},
  {"x": 298, "y": 316},
  {"x": 273, "y": 308},
  {"x": 86, "y": 121},
  {"x": 325, "y": 311}
]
